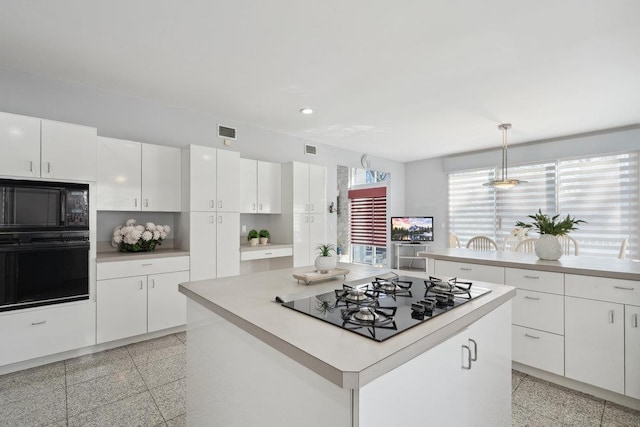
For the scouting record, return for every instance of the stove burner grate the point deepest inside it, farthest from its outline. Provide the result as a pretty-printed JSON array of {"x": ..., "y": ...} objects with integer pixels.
[{"x": 450, "y": 286}]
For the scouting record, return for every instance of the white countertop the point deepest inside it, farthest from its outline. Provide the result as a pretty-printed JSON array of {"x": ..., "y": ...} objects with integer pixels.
[
  {"x": 246, "y": 247},
  {"x": 112, "y": 256},
  {"x": 586, "y": 265},
  {"x": 342, "y": 357}
]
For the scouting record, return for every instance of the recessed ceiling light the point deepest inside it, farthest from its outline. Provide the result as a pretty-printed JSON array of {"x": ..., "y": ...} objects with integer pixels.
[{"x": 306, "y": 111}]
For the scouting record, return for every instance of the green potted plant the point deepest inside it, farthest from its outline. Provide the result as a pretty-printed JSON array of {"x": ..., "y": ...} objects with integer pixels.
[
  {"x": 548, "y": 246},
  {"x": 252, "y": 237},
  {"x": 325, "y": 262},
  {"x": 264, "y": 236}
]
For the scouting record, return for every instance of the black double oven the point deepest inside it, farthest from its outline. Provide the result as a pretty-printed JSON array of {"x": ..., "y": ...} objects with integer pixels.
[{"x": 44, "y": 243}]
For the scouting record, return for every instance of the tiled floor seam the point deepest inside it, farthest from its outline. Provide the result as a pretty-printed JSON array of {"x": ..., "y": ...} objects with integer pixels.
[{"x": 147, "y": 386}]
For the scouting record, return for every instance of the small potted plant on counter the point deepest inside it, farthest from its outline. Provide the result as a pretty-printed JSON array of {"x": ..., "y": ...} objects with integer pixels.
[
  {"x": 548, "y": 246},
  {"x": 264, "y": 236},
  {"x": 325, "y": 262},
  {"x": 253, "y": 237}
]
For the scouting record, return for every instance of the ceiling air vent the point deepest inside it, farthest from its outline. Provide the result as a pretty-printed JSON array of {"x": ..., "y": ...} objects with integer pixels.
[
  {"x": 310, "y": 150},
  {"x": 226, "y": 132}
]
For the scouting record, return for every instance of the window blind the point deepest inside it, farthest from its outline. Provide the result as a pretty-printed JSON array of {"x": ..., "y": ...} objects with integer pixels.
[
  {"x": 368, "y": 216},
  {"x": 604, "y": 192},
  {"x": 472, "y": 207}
]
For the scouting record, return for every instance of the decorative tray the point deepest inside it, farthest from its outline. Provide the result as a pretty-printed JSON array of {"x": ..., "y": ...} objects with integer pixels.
[{"x": 316, "y": 276}]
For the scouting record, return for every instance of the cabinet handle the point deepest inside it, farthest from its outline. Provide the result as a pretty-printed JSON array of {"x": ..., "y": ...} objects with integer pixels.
[
  {"x": 611, "y": 316},
  {"x": 213, "y": 203},
  {"x": 135, "y": 202},
  {"x": 253, "y": 207},
  {"x": 465, "y": 269},
  {"x": 30, "y": 165},
  {"x": 311, "y": 207},
  {"x": 260, "y": 208},
  {"x": 468, "y": 367},
  {"x": 42, "y": 322},
  {"x": 220, "y": 219},
  {"x": 146, "y": 203},
  {"x": 220, "y": 204},
  {"x": 211, "y": 220},
  {"x": 48, "y": 167},
  {"x": 313, "y": 220},
  {"x": 532, "y": 298},
  {"x": 147, "y": 264},
  {"x": 532, "y": 336},
  {"x": 268, "y": 253},
  {"x": 531, "y": 277},
  {"x": 475, "y": 350},
  {"x": 153, "y": 283},
  {"x": 140, "y": 284},
  {"x": 624, "y": 288},
  {"x": 634, "y": 320}
]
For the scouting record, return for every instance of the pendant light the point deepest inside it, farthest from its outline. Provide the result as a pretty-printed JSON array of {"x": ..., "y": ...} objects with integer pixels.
[{"x": 504, "y": 182}]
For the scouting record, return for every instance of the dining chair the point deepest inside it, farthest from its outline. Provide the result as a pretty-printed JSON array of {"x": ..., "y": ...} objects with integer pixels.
[
  {"x": 623, "y": 249},
  {"x": 527, "y": 246},
  {"x": 482, "y": 243},
  {"x": 567, "y": 242},
  {"x": 454, "y": 242}
]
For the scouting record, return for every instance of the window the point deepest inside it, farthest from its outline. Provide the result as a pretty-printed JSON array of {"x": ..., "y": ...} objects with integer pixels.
[
  {"x": 368, "y": 225},
  {"x": 603, "y": 190}
]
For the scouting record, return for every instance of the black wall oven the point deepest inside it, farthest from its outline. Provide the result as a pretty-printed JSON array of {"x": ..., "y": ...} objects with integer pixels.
[{"x": 44, "y": 243}]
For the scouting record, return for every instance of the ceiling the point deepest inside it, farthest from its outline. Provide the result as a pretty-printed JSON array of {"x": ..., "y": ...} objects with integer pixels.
[{"x": 404, "y": 80}]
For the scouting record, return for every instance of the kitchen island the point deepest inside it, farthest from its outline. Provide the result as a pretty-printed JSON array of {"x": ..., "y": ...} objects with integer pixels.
[
  {"x": 251, "y": 361},
  {"x": 575, "y": 320}
]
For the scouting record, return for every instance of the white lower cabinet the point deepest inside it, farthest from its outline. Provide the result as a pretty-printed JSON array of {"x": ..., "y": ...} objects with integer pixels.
[
  {"x": 542, "y": 350},
  {"x": 43, "y": 331},
  {"x": 594, "y": 343},
  {"x": 139, "y": 303},
  {"x": 469, "y": 375},
  {"x": 462, "y": 270},
  {"x": 632, "y": 351}
]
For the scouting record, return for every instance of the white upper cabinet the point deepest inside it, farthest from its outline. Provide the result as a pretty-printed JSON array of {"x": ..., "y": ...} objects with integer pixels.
[
  {"x": 119, "y": 174},
  {"x": 68, "y": 151},
  {"x": 161, "y": 178},
  {"x": 309, "y": 188},
  {"x": 261, "y": 187},
  {"x": 20, "y": 145},
  {"x": 228, "y": 178},
  {"x": 269, "y": 187},
  {"x": 32, "y": 147},
  {"x": 248, "y": 186},
  {"x": 202, "y": 178},
  {"x": 134, "y": 176}
]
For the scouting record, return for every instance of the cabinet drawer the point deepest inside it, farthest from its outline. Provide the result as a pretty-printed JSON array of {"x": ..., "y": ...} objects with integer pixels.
[
  {"x": 46, "y": 330},
  {"x": 114, "y": 269},
  {"x": 539, "y": 349},
  {"x": 535, "y": 280},
  {"x": 265, "y": 253},
  {"x": 485, "y": 273},
  {"x": 603, "y": 289},
  {"x": 539, "y": 310}
]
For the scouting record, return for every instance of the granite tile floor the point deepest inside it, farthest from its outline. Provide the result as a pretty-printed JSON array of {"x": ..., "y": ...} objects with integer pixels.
[{"x": 144, "y": 384}]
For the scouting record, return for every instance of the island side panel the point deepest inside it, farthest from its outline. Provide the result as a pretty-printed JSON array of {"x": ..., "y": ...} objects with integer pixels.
[{"x": 234, "y": 379}]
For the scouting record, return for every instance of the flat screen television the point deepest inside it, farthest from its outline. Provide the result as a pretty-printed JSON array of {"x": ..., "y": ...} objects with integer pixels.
[{"x": 412, "y": 229}]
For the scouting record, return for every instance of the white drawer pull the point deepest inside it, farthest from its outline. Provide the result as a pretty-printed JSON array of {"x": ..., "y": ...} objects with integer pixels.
[
  {"x": 147, "y": 264},
  {"x": 465, "y": 269},
  {"x": 268, "y": 253},
  {"x": 634, "y": 320},
  {"x": 610, "y": 316},
  {"x": 532, "y": 336},
  {"x": 533, "y": 298},
  {"x": 531, "y": 277},
  {"x": 624, "y": 288},
  {"x": 42, "y": 322}
]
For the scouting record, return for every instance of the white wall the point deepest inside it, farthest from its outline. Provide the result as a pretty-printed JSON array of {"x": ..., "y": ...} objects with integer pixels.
[{"x": 120, "y": 116}]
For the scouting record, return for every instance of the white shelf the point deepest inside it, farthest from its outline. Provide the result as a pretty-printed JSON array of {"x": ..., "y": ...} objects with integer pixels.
[{"x": 403, "y": 253}]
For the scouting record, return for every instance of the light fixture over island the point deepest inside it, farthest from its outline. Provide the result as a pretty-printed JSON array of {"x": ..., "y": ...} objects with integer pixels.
[{"x": 251, "y": 361}]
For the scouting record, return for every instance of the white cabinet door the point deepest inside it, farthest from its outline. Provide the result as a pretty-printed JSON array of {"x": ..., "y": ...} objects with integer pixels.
[
  {"x": 317, "y": 234},
  {"x": 632, "y": 351},
  {"x": 161, "y": 178},
  {"x": 269, "y": 187},
  {"x": 594, "y": 343},
  {"x": 202, "y": 178},
  {"x": 68, "y": 151},
  {"x": 202, "y": 230},
  {"x": 20, "y": 145},
  {"x": 228, "y": 179},
  {"x": 248, "y": 186},
  {"x": 119, "y": 174},
  {"x": 228, "y": 244},
  {"x": 300, "y": 187},
  {"x": 301, "y": 241},
  {"x": 121, "y": 308},
  {"x": 317, "y": 189},
  {"x": 167, "y": 307}
]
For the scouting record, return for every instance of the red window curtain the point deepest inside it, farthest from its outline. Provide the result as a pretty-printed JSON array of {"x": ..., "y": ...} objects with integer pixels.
[{"x": 368, "y": 209}]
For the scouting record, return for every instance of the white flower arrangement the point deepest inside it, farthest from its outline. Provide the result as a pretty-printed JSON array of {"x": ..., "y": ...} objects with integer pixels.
[
  {"x": 136, "y": 238},
  {"x": 519, "y": 233}
]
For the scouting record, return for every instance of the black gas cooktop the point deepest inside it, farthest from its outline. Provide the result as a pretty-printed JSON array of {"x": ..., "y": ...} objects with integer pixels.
[{"x": 385, "y": 307}]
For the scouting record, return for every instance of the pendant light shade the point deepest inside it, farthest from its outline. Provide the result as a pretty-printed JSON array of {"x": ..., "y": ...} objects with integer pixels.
[{"x": 504, "y": 182}]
